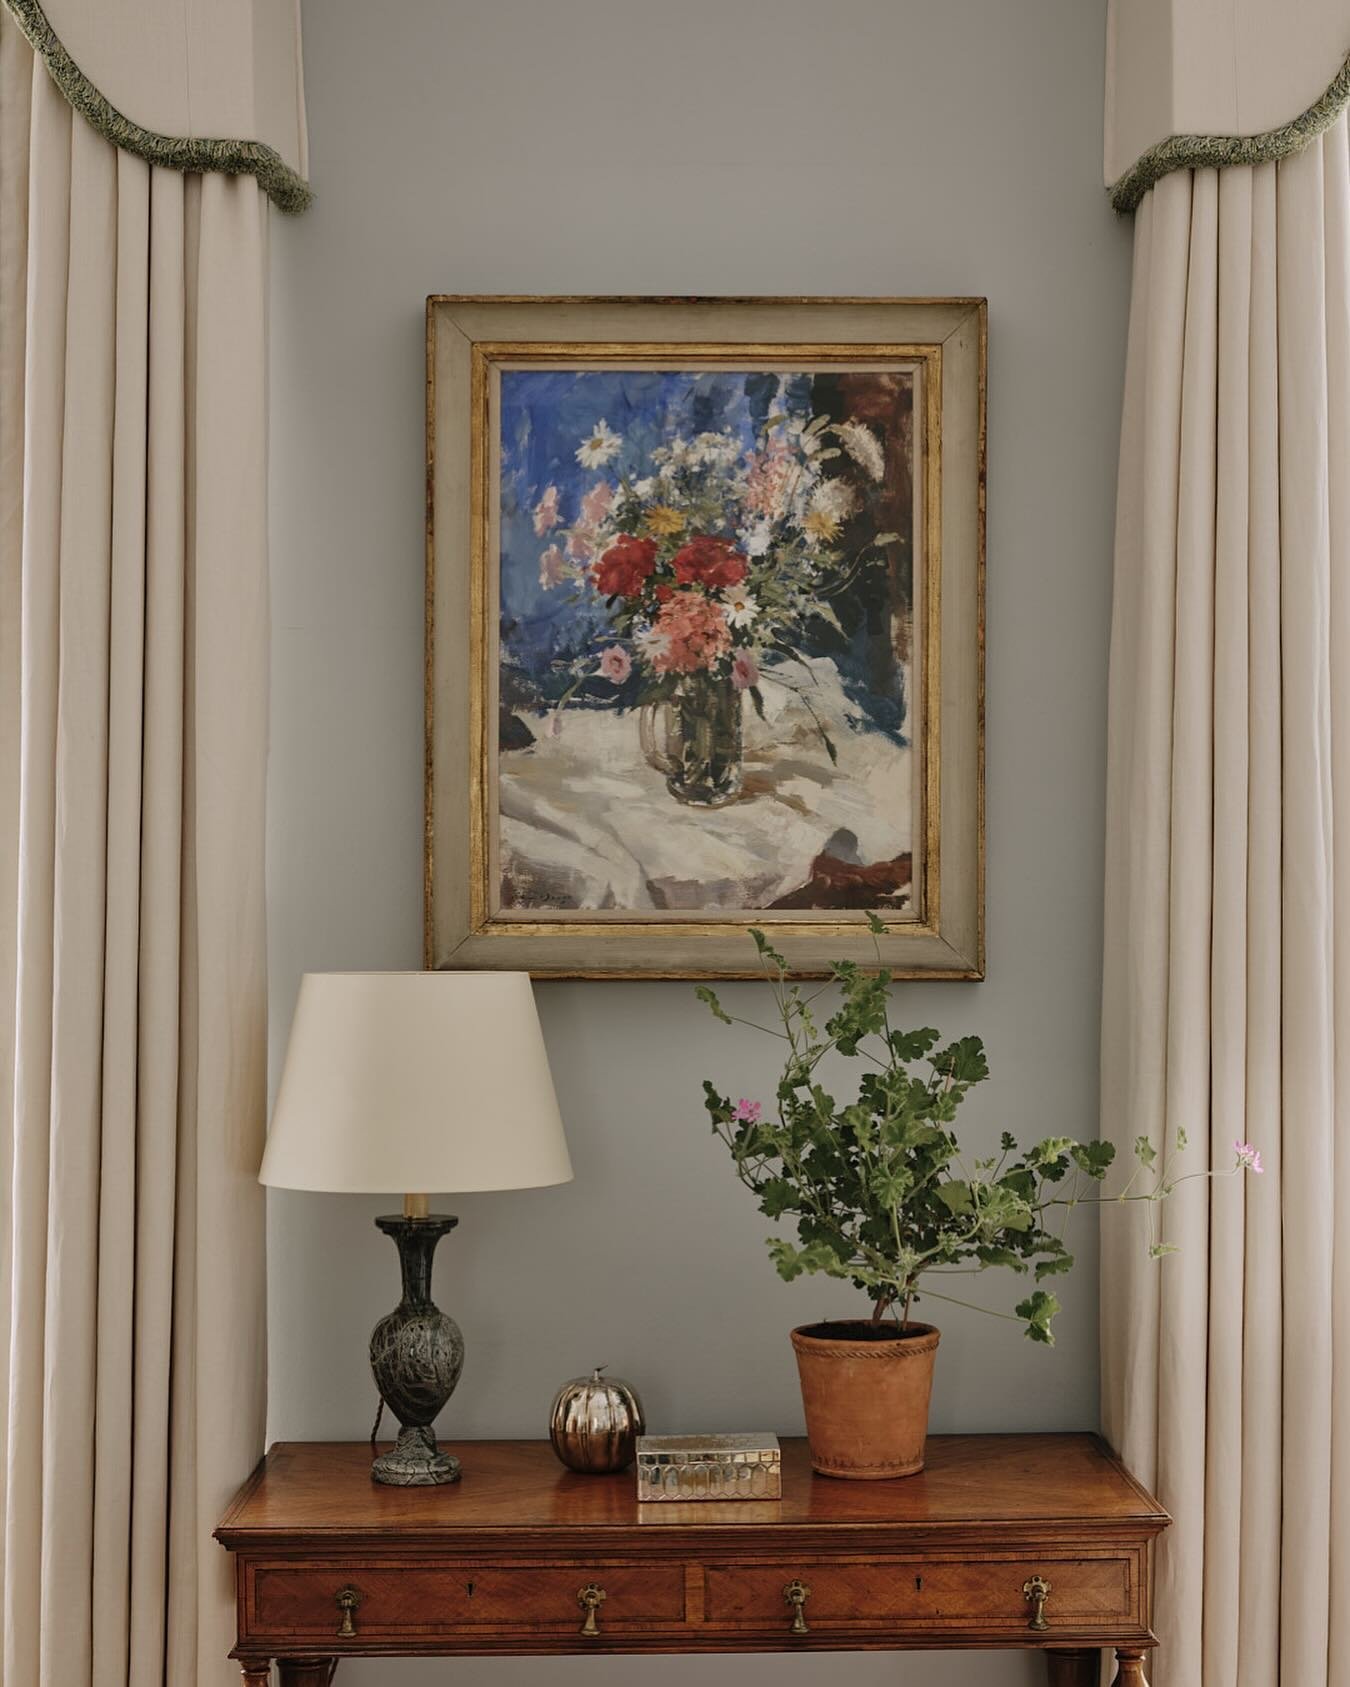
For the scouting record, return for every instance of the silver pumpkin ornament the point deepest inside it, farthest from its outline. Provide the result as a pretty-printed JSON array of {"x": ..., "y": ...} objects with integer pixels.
[{"x": 595, "y": 1423}]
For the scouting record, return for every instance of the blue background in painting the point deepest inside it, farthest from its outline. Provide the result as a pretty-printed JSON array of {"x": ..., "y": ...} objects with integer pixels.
[{"x": 545, "y": 415}]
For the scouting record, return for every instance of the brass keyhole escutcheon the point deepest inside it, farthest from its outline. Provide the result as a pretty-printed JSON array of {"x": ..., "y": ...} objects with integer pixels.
[
  {"x": 347, "y": 1599},
  {"x": 795, "y": 1594},
  {"x": 591, "y": 1598},
  {"x": 1036, "y": 1590}
]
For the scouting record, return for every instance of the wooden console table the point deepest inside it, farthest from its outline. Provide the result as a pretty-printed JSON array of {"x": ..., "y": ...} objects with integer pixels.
[{"x": 1038, "y": 1541}]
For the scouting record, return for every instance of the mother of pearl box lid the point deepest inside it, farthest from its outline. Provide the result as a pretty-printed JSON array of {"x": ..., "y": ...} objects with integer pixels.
[{"x": 709, "y": 1467}]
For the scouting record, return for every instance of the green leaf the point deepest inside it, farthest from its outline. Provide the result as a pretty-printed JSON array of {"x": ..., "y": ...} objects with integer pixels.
[
  {"x": 912, "y": 1045},
  {"x": 963, "y": 1061},
  {"x": 955, "y": 1195},
  {"x": 1047, "y": 1152},
  {"x": 709, "y": 999},
  {"x": 1159, "y": 1250},
  {"x": 767, "y": 950},
  {"x": 1007, "y": 1142},
  {"x": 1037, "y": 1311},
  {"x": 887, "y": 539},
  {"x": 777, "y": 1197},
  {"x": 1093, "y": 1157},
  {"x": 1144, "y": 1150},
  {"x": 1181, "y": 1137},
  {"x": 1054, "y": 1267},
  {"x": 875, "y": 925}
]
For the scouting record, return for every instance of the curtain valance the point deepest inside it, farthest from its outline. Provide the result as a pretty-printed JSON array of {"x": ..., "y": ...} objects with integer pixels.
[
  {"x": 1196, "y": 83},
  {"x": 186, "y": 84}
]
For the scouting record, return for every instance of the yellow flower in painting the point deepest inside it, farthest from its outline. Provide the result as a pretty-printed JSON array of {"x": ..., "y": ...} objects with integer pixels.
[
  {"x": 820, "y": 524},
  {"x": 662, "y": 520}
]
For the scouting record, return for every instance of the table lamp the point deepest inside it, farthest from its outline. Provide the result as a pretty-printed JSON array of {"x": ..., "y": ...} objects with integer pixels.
[{"x": 405, "y": 1082}]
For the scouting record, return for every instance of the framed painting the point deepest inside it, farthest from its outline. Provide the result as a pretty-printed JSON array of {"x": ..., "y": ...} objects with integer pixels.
[{"x": 704, "y": 634}]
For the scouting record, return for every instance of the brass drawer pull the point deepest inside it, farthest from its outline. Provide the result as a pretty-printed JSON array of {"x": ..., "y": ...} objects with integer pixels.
[
  {"x": 796, "y": 1593},
  {"x": 591, "y": 1598},
  {"x": 1036, "y": 1591},
  {"x": 347, "y": 1599}
]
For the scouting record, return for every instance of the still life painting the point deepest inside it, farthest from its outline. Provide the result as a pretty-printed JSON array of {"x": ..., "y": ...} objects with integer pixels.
[{"x": 705, "y": 649}]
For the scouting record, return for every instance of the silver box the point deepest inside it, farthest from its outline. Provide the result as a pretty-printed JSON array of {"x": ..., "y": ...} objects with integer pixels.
[{"x": 709, "y": 1467}]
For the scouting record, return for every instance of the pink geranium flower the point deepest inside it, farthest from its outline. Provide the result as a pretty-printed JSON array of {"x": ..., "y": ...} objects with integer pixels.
[
  {"x": 1248, "y": 1157},
  {"x": 546, "y": 513},
  {"x": 552, "y": 568},
  {"x": 581, "y": 543},
  {"x": 616, "y": 664},
  {"x": 744, "y": 670},
  {"x": 747, "y": 1112}
]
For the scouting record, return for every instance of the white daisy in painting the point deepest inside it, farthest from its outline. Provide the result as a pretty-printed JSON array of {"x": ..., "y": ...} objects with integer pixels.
[
  {"x": 650, "y": 643},
  {"x": 739, "y": 606},
  {"x": 716, "y": 450},
  {"x": 600, "y": 447},
  {"x": 831, "y": 503}
]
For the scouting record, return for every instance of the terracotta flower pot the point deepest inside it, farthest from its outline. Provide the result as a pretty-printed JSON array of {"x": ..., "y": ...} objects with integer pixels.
[{"x": 866, "y": 1391}]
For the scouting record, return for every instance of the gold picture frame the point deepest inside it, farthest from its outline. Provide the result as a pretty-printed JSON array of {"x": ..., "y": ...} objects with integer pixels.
[{"x": 940, "y": 346}]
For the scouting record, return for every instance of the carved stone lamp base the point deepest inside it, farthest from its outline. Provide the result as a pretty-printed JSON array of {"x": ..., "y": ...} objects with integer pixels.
[
  {"x": 416, "y": 1353},
  {"x": 415, "y": 1461}
]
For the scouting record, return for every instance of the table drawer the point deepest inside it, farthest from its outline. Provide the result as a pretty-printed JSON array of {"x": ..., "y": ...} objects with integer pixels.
[
  {"x": 405, "y": 1599},
  {"x": 957, "y": 1592}
]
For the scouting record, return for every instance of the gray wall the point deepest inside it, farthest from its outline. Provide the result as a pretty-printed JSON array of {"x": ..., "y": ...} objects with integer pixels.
[{"x": 737, "y": 146}]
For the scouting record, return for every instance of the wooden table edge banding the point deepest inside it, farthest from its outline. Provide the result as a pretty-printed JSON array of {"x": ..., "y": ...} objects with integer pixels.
[{"x": 1014, "y": 1541}]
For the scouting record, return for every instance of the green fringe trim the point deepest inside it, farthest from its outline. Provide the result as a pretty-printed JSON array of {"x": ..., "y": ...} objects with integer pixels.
[
  {"x": 282, "y": 185},
  {"x": 1220, "y": 152}
]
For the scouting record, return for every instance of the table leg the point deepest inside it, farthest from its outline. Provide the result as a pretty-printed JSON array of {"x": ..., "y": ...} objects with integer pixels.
[
  {"x": 306, "y": 1672},
  {"x": 257, "y": 1672},
  {"x": 1130, "y": 1667},
  {"x": 1080, "y": 1667}
]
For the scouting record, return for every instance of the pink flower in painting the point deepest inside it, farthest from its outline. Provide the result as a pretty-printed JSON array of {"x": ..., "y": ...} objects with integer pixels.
[
  {"x": 744, "y": 670},
  {"x": 771, "y": 479},
  {"x": 595, "y": 505},
  {"x": 552, "y": 568},
  {"x": 546, "y": 512},
  {"x": 616, "y": 664},
  {"x": 1248, "y": 1157},
  {"x": 746, "y": 1112},
  {"x": 694, "y": 634},
  {"x": 581, "y": 544}
]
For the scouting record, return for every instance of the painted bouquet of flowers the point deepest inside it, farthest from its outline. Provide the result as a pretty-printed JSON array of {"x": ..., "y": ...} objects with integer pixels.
[{"x": 714, "y": 562}]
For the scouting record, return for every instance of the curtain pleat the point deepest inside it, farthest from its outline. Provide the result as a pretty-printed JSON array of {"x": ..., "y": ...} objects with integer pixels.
[
  {"x": 132, "y": 759},
  {"x": 1225, "y": 1380}
]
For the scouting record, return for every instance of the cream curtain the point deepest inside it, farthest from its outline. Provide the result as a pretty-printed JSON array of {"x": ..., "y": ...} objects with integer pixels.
[
  {"x": 133, "y": 640},
  {"x": 1226, "y": 1367}
]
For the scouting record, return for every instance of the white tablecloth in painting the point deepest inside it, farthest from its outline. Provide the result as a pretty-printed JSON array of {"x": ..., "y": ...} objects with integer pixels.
[{"x": 587, "y": 823}]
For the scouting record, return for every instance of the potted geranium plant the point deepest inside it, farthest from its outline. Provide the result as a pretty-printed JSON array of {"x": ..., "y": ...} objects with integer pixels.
[{"x": 882, "y": 1196}]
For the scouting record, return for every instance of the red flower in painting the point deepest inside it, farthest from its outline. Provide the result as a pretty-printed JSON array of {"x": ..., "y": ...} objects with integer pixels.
[
  {"x": 709, "y": 562},
  {"x": 624, "y": 566}
]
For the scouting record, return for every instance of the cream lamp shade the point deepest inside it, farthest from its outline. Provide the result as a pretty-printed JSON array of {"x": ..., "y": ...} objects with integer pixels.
[{"x": 429, "y": 1081}]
